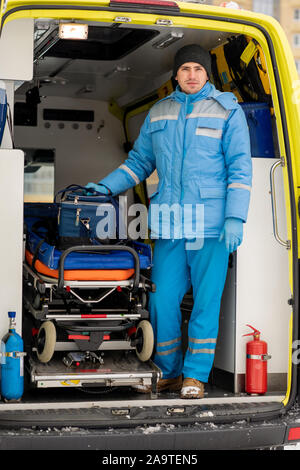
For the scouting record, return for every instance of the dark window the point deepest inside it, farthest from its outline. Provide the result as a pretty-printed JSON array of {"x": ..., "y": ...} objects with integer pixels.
[
  {"x": 68, "y": 115},
  {"x": 25, "y": 114}
]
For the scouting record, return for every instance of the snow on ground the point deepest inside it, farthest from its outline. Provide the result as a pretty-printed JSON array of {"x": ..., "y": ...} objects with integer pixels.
[{"x": 292, "y": 447}]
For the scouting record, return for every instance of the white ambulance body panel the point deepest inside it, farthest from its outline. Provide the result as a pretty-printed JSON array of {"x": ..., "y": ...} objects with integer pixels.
[
  {"x": 257, "y": 292},
  {"x": 11, "y": 236}
]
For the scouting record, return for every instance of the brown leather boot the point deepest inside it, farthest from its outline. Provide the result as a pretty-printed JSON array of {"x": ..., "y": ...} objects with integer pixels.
[
  {"x": 173, "y": 384},
  {"x": 192, "y": 388}
]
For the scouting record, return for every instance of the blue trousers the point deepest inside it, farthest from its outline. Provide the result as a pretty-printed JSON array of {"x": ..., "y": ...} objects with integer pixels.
[{"x": 175, "y": 270}]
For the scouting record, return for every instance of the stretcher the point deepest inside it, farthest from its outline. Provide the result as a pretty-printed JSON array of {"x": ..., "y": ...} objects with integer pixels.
[{"x": 86, "y": 302}]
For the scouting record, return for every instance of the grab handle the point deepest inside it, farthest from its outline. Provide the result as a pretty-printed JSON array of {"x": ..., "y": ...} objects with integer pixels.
[{"x": 286, "y": 243}]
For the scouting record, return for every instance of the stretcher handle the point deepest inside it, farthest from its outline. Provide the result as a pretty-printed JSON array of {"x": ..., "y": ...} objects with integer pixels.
[{"x": 97, "y": 248}]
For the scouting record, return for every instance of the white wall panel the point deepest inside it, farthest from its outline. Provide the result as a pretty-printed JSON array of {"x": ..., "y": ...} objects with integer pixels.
[
  {"x": 11, "y": 236},
  {"x": 16, "y": 50}
]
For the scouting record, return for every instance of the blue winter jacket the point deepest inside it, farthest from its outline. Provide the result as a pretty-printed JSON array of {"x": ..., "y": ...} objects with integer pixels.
[{"x": 199, "y": 144}]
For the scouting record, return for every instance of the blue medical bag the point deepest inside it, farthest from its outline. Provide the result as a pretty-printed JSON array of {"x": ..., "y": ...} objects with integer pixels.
[
  {"x": 86, "y": 219},
  {"x": 260, "y": 127}
]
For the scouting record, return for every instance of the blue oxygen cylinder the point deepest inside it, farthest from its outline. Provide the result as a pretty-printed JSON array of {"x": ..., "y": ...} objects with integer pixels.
[{"x": 12, "y": 368}]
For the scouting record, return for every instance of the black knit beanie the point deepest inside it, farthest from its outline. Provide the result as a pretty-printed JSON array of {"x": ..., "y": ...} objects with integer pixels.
[{"x": 192, "y": 53}]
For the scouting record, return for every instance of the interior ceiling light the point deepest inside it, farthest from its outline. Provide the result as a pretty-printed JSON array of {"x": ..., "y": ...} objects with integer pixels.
[
  {"x": 166, "y": 41},
  {"x": 117, "y": 69},
  {"x": 73, "y": 31},
  {"x": 86, "y": 89},
  {"x": 48, "y": 80}
]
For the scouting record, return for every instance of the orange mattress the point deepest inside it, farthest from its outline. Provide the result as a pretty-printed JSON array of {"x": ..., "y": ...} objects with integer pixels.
[{"x": 80, "y": 274}]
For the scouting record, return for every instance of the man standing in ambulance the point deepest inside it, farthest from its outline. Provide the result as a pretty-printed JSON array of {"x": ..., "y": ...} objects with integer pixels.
[{"x": 198, "y": 140}]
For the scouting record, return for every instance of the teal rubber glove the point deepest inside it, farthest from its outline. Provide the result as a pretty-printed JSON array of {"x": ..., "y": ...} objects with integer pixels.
[
  {"x": 97, "y": 187},
  {"x": 232, "y": 232}
]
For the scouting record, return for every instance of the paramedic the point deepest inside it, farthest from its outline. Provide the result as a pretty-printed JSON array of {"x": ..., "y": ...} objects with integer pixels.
[{"x": 198, "y": 140}]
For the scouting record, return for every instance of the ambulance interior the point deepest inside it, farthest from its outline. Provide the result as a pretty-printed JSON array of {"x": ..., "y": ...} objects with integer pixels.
[{"x": 75, "y": 121}]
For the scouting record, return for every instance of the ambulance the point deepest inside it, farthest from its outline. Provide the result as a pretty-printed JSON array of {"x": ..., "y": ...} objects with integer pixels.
[{"x": 78, "y": 78}]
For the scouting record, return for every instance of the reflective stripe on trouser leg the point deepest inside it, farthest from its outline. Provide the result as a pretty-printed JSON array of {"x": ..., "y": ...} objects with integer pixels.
[
  {"x": 208, "y": 274},
  {"x": 170, "y": 274},
  {"x": 170, "y": 352}
]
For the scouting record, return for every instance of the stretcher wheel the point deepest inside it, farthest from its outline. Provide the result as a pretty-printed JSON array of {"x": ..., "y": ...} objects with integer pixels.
[
  {"x": 46, "y": 340},
  {"x": 144, "y": 347}
]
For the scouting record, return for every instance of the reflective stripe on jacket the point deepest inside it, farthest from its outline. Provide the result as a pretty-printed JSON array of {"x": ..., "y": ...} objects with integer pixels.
[{"x": 200, "y": 146}]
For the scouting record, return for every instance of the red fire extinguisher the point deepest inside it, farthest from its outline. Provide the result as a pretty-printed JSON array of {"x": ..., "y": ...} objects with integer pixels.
[{"x": 256, "y": 364}]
